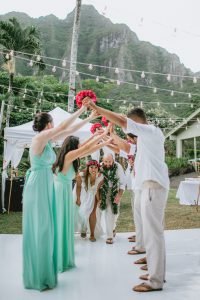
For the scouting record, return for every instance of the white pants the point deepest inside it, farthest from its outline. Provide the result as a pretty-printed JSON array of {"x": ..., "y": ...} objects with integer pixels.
[
  {"x": 153, "y": 203},
  {"x": 139, "y": 245},
  {"x": 110, "y": 219}
]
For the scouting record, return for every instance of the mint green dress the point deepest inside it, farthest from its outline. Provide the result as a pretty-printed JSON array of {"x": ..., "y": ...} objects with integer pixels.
[
  {"x": 39, "y": 219},
  {"x": 65, "y": 219}
]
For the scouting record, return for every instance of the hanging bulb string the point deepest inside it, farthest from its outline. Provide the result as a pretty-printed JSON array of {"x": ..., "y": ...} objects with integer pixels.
[{"x": 91, "y": 66}]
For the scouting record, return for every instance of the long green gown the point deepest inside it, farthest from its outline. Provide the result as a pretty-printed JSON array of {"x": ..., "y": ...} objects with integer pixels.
[
  {"x": 65, "y": 219},
  {"x": 39, "y": 223}
]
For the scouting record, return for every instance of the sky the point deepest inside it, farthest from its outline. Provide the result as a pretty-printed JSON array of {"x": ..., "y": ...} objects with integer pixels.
[{"x": 171, "y": 24}]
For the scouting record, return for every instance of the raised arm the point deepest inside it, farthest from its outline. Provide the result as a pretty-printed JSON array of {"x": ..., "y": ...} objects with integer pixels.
[
  {"x": 75, "y": 127},
  {"x": 112, "y": 116},
  {"x": 41, "y": 139},
  {"x": 78, "y": 190}
]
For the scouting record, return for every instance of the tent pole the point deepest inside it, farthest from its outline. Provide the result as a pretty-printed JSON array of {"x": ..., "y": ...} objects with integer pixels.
[{"x": 10, "y": 192}]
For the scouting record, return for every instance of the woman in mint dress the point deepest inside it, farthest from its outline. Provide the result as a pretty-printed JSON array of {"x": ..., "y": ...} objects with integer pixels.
[
  {"x": 39, "y": 215},
  {"x": 65, "y": 169}
]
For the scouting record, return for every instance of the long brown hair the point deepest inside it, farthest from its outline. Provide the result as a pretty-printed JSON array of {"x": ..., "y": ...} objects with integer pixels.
[
  {"x": 87, "y": 173},
  {"x": 69, "y": 144}
]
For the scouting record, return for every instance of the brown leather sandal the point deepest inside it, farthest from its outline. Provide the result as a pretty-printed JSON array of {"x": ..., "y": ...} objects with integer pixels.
[
  {"x": 135, "y": 252},
  {"x": 144, "y": 277},
  {"x": 141, "y": 261},
  {"x": 144, "y": 268},
  {"x": 132, "y": 240},
  {"x": 143, "y": 287},
  {"x": 109, "y": 241},
  {"x": 92, "y": 239}
]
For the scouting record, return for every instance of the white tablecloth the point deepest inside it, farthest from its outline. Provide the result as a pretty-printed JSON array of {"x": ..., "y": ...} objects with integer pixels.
[{"x": 188, "y": 192}]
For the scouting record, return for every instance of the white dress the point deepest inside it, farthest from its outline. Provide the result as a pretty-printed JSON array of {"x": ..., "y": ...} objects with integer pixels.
[
  {"x": 129, "y": 178},
  {"x": 87, "y": 199}
]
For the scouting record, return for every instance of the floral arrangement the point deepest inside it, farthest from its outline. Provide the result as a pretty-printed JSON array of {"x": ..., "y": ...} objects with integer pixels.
[
  {"x": 94, "y": 127},
  {"x": 104, "y": 121},
  {"x": 93, "y": 163},
  {"x": 83, "y": 94}
]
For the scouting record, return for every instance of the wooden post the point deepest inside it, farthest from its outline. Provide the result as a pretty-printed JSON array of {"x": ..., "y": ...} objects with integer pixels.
[{"x": 74, "y": 46}]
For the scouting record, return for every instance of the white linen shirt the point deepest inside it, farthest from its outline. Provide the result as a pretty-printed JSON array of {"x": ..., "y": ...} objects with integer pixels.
[{"x": 150, "y": 158}]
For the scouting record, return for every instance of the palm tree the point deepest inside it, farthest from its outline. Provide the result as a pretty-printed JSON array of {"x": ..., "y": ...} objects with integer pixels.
[{"x": 14, "y": 38}]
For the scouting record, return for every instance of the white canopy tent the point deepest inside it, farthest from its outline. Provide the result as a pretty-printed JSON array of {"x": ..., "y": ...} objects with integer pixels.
[{"x": 18, "y": 138}]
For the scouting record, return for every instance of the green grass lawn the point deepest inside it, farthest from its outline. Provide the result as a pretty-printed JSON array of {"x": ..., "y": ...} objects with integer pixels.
[{"x": 176, "y": 217}]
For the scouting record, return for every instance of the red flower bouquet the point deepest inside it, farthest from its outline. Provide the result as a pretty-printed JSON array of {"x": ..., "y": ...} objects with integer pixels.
[
  {"x": 94, "y": 127},
  {"x": 104, "y": 121},
  {"x": 86, "y": 93}
]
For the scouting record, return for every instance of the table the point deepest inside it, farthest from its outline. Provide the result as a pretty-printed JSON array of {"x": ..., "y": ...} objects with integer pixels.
[{"x": 189, "y": 192}]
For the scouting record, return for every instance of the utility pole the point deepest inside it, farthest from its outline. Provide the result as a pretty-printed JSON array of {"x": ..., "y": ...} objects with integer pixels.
[{"x": 74, "y": 46}]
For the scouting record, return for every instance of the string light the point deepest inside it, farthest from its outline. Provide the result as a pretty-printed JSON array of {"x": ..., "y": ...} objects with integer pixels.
[
  {"x": 77, "y": 73},
  {"x": 141, "y": 104},
  {"x": 7, "y": 56},
  {"x": 172, "y": 93},
  {"x": 158, "y": 104},
  {"x": 194, "y": 80},
  {"x": 175, "y": 105},
  {"x": 103, "y": 66},
  {"x": 155, "y": 90},
  {"x": 38, "y": 58},
  {"x": 90, "y": 67},
  {"x": 137, "y": 87},
  {"x": 64, "y": 63},
  {"x": 97, "y": 79},
  {"x": 142, "y": 75},
  {"x": 192, "y": 105},
  {"x": 117, "y": 71},
  {"x": 189, "y": 95},
  {"x": 168, "y": 77},
  {"x": 54, "y": 69},
  {"x": 24, "y": 96},
  {"x": 118, "y": 82},
  {"x": 31, "y": 63}
]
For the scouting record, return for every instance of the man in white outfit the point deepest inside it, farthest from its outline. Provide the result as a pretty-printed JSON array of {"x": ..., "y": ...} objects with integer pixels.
[
  {"x": 111, "y": 192},
  {"x": 153, "y": 181}
]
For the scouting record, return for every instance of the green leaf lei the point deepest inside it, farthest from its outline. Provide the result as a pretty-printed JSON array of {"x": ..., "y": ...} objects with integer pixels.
[{"x": 109, "y": 175}]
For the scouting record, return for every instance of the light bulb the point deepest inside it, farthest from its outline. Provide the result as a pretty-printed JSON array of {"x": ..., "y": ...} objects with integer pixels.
[
  {"x": 38, "y": 57},
  {"x": 54, "y": 69},
  {"x": 194, "y": 80},
  {"x": 64, "y": 63},
  {"x": 117, "y": 71},
  {"x": 168, "y": 77},
  {"x": 155, "y": 90},
  {"x": 77, "y": 73},
  {"x": 97, "y": 79},
  {"x": 172, "y": 93},
  {"x": 189, "y": 95},
  {"x": 31, "y": 63},
  {"x": 143, "y": 75},
  {"x": 118, "y": 82},
  {"x": 137, "y": 87},
  {"x": 90, "y": 67}
]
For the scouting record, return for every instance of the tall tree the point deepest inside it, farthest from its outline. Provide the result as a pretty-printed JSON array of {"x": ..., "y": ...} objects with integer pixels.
[{"x": 14, "y": 38}]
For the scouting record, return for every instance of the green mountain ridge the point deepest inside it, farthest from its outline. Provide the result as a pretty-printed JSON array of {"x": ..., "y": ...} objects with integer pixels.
[{"x": 112, "y": 45}]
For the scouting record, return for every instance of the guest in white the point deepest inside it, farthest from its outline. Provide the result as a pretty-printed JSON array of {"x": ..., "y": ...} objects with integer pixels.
[
  {"x": 111, "y": 192},
  {"x": 153, "y": 181},
  {"x": 88, "y": 184}
]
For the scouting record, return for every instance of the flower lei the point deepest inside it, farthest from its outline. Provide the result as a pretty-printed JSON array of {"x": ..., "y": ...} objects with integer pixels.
[
  {"x": 109, "y": 175},
  {"x": 86, "y": 93}
]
